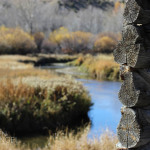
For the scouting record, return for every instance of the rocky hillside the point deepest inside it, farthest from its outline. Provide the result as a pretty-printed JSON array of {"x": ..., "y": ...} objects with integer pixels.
[{"x": 76, "y": 5}]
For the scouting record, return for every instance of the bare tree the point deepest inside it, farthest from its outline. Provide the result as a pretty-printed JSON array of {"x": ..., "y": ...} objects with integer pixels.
[
  {"x": 46, "y": 16},
  {"x": 29, "y": 13}
]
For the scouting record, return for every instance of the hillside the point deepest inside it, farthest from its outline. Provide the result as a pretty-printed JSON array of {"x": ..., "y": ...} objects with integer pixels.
[{"x": 78, "y": 4}]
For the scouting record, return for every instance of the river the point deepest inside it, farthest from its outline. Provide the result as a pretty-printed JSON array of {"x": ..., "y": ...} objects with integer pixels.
[{"x": 104, "y": 114}]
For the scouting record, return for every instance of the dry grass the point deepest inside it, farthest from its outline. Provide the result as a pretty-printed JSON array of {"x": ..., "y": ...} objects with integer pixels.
[
  {"x": 11, "y": 68},
  {"x": 70, "y": 141},
  {"x": 26, "y": 73},
  {"x": 101, "y": 67},
  {"x": 39, "y": 95},
  {"x": 28, "y": 108},
  {"x": 107, "y": 141},
  {"x": 12, "y": 62},
  {"x": 9, "y": 143},
  {"x": 16, "y": 70},
  {"x": 10, "y": 92}
]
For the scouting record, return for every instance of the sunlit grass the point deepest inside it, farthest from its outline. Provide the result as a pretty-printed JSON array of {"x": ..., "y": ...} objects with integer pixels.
[
  {"x": 11, "y": 67},
  {"x": 12, "y": 62},
  {"x": 80, "y": 141},
  {"x": 101, "y": 67},
  {"x": 70, "y": 141}
]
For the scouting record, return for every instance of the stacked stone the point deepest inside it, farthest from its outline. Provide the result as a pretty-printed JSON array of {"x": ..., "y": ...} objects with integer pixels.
[{"x": 133, "y": 54}]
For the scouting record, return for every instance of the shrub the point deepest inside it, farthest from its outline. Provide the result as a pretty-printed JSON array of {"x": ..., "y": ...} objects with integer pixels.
[
  {"x": 105, "y": 44},
  {"x": 71, "y": 42},
  {"x": 29, "y": 109},
  {"x": 77, "y": 42},
  {"x": 15, "y": 41},
  {"x": 58, "y": 35},
  {"x": 81, "y": 42},
  {"x": 48, "y": 46},
  {"x": 39, "y": 38},
  {"x": 118, "y": 5},
  {"x": 101, "y": 67}
]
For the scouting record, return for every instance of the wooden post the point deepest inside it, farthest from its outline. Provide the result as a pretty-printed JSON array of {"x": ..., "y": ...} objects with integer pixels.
[{"x": 133, "y": 54}]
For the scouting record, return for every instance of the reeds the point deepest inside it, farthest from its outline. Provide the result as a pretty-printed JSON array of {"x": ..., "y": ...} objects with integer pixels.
[
  {"x": 69, "y": 141},
  {"x": 29, "y": 109},
  {"x": 80, "y": 141},
  {"x": 32, "y": 100},
  {"x": 101, "y": 67}
]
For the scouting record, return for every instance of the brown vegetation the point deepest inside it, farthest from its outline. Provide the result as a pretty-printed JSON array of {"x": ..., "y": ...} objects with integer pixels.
[
  {"x": 101, "y": 67},
  {"x": 15, "y": 41},
  {"x": 69, "y": 141},
  {"x": 32, "y": 99}
]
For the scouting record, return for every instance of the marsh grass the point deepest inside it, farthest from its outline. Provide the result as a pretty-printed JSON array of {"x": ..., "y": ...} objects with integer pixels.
[
  {"x": 36, "y": 100},
  {"x": 101, "y": 67},
  {"x": 68, "y": 141},
  {"x": 80, "y": 141},
  {"x": 12, "y": 68},
  {"x": 31, "y": 109},
  {"x": 12, "y": 62}
]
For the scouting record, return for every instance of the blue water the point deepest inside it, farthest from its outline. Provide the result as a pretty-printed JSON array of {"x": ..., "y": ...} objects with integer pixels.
[{"x": 105, "y": 113}]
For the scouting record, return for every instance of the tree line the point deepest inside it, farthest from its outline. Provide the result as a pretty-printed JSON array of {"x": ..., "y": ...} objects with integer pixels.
[{"x": 47, "y": 15}]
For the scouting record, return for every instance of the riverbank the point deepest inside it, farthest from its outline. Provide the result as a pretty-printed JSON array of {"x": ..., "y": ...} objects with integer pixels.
[
  {"x": 66, "y": 141},
  {"x": 100, "y": 67},
  {"x": 35, "y": 100}
]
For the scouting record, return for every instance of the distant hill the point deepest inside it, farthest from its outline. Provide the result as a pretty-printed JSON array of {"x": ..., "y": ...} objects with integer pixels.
[{"x": 76, "y": 5}]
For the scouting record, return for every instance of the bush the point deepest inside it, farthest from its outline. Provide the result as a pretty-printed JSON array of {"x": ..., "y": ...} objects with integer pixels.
[
  {"x": 77, "y": 42},
  {"x": 101, "y": 67},
  {"x": 31, "y": 109},
  {"x": 15, "y": 41},
  {"x": 71, "y": 42},
  {"x": 39, "y": 38},
  {"x": 105, "y": 44},
  {"x": 48, "y": 47},
  {"x": 58, "y": 35},
  {"x": 118, "y": 5}
]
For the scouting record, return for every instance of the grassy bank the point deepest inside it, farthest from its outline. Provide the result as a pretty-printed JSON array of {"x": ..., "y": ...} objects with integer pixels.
[
  {"x": 101, "y": 67},
  {"x": 68, "y": 141},
  {"x": 33, "y": 100}
]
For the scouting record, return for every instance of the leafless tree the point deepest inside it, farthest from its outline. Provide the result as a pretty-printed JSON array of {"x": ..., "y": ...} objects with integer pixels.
[
  {"x": 46, "y": 16},
  {"x": 29, "y": 13}
]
